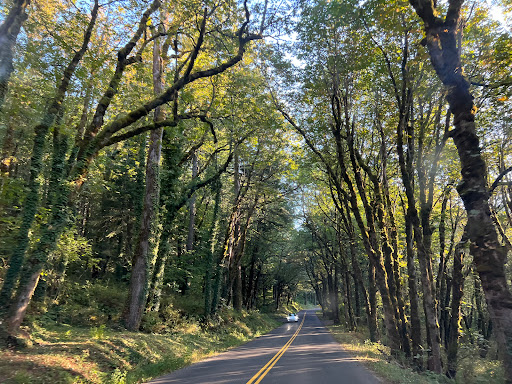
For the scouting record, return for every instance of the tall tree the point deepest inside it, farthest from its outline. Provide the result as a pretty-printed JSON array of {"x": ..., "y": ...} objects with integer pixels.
[
  {"x": 100, "y": 134},
  {"x": 9, "y": 31},
  {"x": 50, "y": 117},
  {"x": 442, "y": 41},
  {"x": 148, "y": 232}
]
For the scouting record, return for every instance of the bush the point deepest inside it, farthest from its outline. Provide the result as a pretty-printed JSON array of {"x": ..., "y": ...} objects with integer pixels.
[
  {"x": 89, "y": 305},
  {"x": 166, "y": 320},
  {"x": 109, "y": 300},
  {"x": 98, "y": 333},
  {"x": 152, "y": 323}
]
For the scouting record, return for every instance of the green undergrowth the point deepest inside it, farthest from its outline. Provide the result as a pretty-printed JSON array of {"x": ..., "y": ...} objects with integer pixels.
[
  {"x": 63, "y": 354},
  {"x": 292, "y": 307},
  {"x": 472, "y": 369}
]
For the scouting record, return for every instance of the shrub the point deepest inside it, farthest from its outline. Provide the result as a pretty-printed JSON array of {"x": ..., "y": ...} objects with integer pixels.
[
  {"x": 87, "y": 304},
  {"x": 98, "y": 332},
  {"x": 109, "y": 300},
  {"x": 152, "y": 323}
]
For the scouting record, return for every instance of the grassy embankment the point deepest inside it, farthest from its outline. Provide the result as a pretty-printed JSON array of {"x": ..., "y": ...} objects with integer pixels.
[
  {"x": 63, "y": 354},
  {"x": 472, "y": 368}
]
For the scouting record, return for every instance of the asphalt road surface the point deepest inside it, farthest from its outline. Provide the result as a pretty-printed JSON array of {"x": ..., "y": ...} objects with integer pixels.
[{"x": 295, "y": 353}]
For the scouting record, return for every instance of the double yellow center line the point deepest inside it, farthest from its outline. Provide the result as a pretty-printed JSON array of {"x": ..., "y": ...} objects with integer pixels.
[{"x": 263, "y": 371}]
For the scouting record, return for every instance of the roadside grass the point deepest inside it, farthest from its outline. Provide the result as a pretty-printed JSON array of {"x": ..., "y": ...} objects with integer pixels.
[
  {"x": 472, "y": 369},
  {"x": 61, "y": 354}
]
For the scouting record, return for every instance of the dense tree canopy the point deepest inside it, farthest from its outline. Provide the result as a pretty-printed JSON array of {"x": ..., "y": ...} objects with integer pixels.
[{"x": 162, "y": 160}]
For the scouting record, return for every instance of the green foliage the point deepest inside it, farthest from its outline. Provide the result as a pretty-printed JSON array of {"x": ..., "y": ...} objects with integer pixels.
[
  {"x": 74, "y": 249},
  {"x": 117, "y": 377},
  {"x": 123, "y": 357},
  {"x": 356, "y": 47},
  {"x": 475, "y": 369},
  {"x": 88, "y": 304},
  {"x": 472, "y": 369},
  {"x": 22, "y": 378},
  {"x": 98, "y": 332}
]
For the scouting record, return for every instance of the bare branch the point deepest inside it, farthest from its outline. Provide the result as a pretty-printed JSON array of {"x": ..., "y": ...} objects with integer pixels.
[{"x": 498, "y": 179}]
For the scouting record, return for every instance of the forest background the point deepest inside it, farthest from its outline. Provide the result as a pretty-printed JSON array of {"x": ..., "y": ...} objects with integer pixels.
[{"x": 167, "y": 164}]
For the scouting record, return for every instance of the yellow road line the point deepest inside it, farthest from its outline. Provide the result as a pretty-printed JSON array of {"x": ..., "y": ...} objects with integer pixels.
[{"x": 267, "y": 367}]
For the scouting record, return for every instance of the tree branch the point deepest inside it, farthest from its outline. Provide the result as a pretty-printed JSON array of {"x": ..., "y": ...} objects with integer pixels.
[{"x": 498, "y": 179}]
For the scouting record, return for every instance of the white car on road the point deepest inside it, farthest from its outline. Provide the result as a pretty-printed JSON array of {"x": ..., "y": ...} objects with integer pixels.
[{"x": 292, "y": 317}]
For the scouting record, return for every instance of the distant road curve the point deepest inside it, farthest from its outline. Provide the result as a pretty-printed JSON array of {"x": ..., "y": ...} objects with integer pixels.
[{"x": 295, "y": 353}]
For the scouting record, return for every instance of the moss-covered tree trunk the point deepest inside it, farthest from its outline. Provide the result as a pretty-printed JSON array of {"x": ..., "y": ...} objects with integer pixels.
[
  {"x": 455, "y": 310},
  {"x": 412, "y": 218},
  {"x": 212, "y": 236},
  {"x": 145, "y": 252},
  {"x": 489, "y": 256},
  {"x": 57, "y": 204},
  {"x": 415, "y": 320},
  {"x": 32, "y": 199},
  {"x": 192, "y": 207}
]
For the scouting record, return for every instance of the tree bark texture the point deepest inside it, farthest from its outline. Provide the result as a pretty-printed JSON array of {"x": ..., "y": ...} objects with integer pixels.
[
  {"x": 192, "y": 208},
  {"x": 455, "y": 311},
  {"x": 145, "y": 253},
  {"x": 9, "y": 31},
  {"x": 489, "y": 256},
  {"x": 212, "y": 237},
  {"x": 417, "y": 350},
  {"x": 37, "y": 261}
]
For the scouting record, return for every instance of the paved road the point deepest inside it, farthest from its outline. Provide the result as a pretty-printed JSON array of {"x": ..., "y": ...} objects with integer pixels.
[{"x": 298, "y": 353}]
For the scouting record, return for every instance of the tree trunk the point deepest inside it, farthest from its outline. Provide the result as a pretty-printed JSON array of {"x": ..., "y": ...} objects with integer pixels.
[
  {"x": 58, "y": 201},
  {"x": 457, "y": 292},
  {"x": 417, "y": 350},
  {"x": 146, "y": 248},
  {"x": 347, "y": 301},
  {"x": 31, "y": 203},
  {"x": 192, "y": 208},
  {"x": 9, "y": 31},
  {"x": 23, "y": 300},
  {"x": 219, "y": 274},
  {"x": 358, "y": 275},
  {"x": 212, "y": 236},
  {"x": 157, "y": 280},
  {"x": 333, "y": 294},
  {"x": 412, "y": 217},
  {"x": 389, "y": 244},
  {"x": 237, "y": 288},
  {"x": 489, "y": 255},
  {"x": 234, "y": 229},
  {"x": 372, "y": 301},
  {"x": 441, "y": 272}
]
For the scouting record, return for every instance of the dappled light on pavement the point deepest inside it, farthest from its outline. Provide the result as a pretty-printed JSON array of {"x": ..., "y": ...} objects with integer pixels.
[{"x": 313, "y": 357}]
